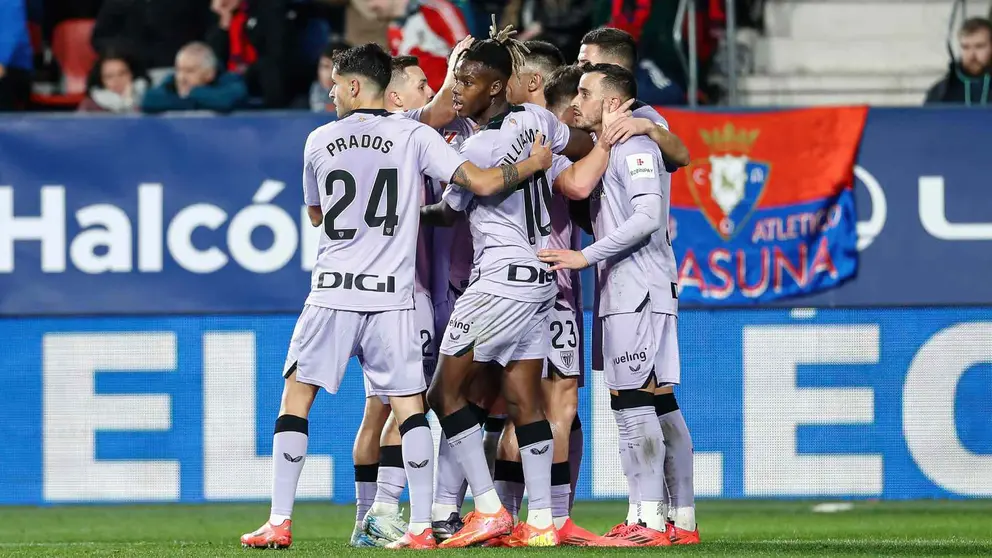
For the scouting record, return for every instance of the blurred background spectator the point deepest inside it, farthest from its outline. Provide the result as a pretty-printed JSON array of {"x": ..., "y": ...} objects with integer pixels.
[
  {"x": 320, "y": 91},
  {"x": 15, "y": 56},
  {"x": 116, "y": 84},
  {"x": 265, "y": 42},
  {"x": 427, "y": 29},
  {"x": 197, "y": 84},
  {"x": 154, "y": 28},
  {"x": 968, "y": 80},
  {"x": 559, "y": 22}
]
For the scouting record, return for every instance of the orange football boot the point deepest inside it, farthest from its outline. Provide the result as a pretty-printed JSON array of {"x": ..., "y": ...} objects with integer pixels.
[
  {"x": 681, "y": 536},
  {"x": 525, "y": 534},
  {"x": 480, "y": 527},
  {"x": 618, "y": 530},
  {"x": 571, "y": 534},
  {"x": 644, "y": 536},
  {"x": 269, "y": 536},
  {"x": 423, "y": 541}
]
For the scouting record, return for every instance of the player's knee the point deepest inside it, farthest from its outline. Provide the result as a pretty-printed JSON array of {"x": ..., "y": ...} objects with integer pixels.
[
  {"x": 296, "y": 398},
  {"x": 436, "y": 399},
  {"x": 625, "y": 399}
]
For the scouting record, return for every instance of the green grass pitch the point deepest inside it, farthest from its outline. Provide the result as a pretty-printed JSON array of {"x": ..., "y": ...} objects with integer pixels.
[{"x": 728, "y": 528}]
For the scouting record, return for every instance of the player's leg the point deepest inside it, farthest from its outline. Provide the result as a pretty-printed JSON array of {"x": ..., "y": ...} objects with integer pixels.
[
  {"x": 449, "y": 493},
  {"x": 525, "y": 405},
  {"x": 387, "y": 521},
  {"x": 508, "y": 471},
  {"x": 576, "y": 441},
  {"x": 365, "y": 456},
  {"x": 384, "y": 523},
  {"x": 319, "y": 350},
  {"x": 393, "y": 365},
  {"x": 678, "y": 441},
  {"x": 630, "y": 347},
  {"x": 561, "y": 401},
  {"x": 493, "y": 432},
  {"x": 483, "y": 329},
  {"x": 450, "y": 483}
]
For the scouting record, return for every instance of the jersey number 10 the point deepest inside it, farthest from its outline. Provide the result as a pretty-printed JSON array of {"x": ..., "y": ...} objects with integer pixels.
[
  {"x": 537, "y": 196},
  {"x": 386, "y": 183}
]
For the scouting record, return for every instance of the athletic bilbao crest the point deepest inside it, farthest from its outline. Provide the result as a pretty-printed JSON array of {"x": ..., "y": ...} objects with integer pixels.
[
  {"x": 728, "y": 184},
  {"x": 567, "y": 358}
]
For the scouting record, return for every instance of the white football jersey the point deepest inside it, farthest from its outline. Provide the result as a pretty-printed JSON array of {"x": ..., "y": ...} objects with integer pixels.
[
  {"x": 509, "y": 228},
  {"x": 366, "y": 172}
]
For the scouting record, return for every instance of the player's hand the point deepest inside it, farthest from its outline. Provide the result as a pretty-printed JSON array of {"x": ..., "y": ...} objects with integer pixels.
[
  {"x": 612, "y": 116},
  {"x": 563, "y": 259},
  {"x": 461, "y": 47},
  {"x": 624, "y": 129},
  {"x": 541, "y": 150}
]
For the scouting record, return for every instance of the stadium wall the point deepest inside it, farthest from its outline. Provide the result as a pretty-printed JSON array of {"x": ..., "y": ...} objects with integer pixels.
[{"x": 148, "y": 369}]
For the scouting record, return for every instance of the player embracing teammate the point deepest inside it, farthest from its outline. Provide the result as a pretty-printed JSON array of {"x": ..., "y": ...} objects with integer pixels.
[
  {"x": 362, "y": 179},
  {"x": 516, "y": 330}
]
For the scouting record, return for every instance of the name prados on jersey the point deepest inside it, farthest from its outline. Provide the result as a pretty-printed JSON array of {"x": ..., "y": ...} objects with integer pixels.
[{"x": 112, "y": 237}]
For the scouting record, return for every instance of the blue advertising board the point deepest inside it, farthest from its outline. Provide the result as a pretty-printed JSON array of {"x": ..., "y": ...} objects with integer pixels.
[
  {"x": 876, "y": 403},
  {"x": 200, "y": 214}
]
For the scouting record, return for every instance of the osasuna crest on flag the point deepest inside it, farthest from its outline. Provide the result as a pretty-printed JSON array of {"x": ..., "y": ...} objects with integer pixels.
[
  {"x": 766, "y": 211},
  {"x": 728, "y": 184}
]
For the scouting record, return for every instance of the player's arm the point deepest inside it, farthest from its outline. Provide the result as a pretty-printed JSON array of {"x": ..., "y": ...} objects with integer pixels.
[
  {"x": 645, "y": 221},
  {"x": 440, "y": 111},
  {"x": 579, "y": 144},
  {"x": 439, "y": 214},
  {"x": 487, "y": 182},
  {"x": 311, "y": 194},
  {"x": 578, "y": 181},
  {"x": 644, "y": 183},
  {"x": 315, "y": 214},
  {"x": 672, "y": 148}
]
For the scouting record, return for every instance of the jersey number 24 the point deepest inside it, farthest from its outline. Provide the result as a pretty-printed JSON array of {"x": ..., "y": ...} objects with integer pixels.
[{"x": 386, "y": 184}]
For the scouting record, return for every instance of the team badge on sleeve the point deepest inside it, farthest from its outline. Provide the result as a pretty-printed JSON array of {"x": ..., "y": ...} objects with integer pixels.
[{"x": 641, "y": 165}]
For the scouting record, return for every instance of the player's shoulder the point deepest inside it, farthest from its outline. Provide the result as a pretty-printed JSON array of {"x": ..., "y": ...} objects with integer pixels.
[
  {"x": 644, "y": 110},
  {"x": 538, "y": 112},
  {"x": 635, "y": 145}
]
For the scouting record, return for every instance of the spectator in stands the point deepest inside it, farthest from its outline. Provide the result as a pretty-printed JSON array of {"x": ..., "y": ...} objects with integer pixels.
[
  {"x": 427, "y": 29},
  {"x": 116, "y": 84},
  {"x": 559, "y": 22},
  {"x": 15, "y": 56},
  {"x": 197, "y": 84},
  {"x": 155, "y": 29},
  {"x": 262, "y": 41},
  {"x": 320, "y": 91},
  {"x": 969, "y": 80},
  {"x": 613, "y": 46}
]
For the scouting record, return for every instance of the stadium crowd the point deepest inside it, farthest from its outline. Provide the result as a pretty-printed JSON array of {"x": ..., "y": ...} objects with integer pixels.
[{"x": 153, "y": 56}]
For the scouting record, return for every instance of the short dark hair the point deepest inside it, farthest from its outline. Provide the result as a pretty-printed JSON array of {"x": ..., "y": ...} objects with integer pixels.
[
  {"x": 492, "y": 55},
  {"x": 400, "y": 64},
  {"x": 334, "y": 47},
  {"x": 561, "y": 86},
  {"x": 614, "y": 43},
  {"x": 975, "y": 24},
  {"x": 617, "y": 78},
  {"x": 544, "y": 56},
  {"x": 368, "y": 61}
]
